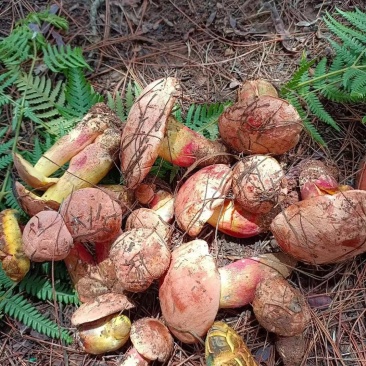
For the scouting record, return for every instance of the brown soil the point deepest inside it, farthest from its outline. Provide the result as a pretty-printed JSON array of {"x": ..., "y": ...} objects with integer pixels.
[{"x": 212, "y": 47}]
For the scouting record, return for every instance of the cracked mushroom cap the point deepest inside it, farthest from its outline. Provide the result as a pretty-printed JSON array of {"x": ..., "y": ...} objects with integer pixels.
[
  {"x": 259, "y": 183},
  {"x": 198, "y": 197},
  {"x": 92, "y": 215},
  {"x": 152, "y": 339},
  {"x": 139, "y": 256},
  {"x": 145, "y": 128},
  {"x": 46, "y": 237},
  {"x": 189, "y": 292}
]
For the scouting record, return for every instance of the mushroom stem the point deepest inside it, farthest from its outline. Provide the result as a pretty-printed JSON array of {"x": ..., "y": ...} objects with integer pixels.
[
  {"x": 94, "y": 123},
  {"x": 240, "y": 279},
  {"x": 183, "y": 147},
  {"x": 133, "y": 358},
  {"x": 88, "y": 167},
  {"x": 232, "y": 220}
]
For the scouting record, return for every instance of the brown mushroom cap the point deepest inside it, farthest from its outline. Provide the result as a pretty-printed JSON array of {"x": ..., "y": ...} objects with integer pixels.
[
  {"x": 280, "y": 308},
  {"x": 148, "y": 218},
  {"x": 92, "y": 215},
  {"x": 198, "y": 197},
  {"x": 190, "y": 291},
  {"x": 268, "y": 125},
  {"x": 46, "y": 237},
  {"x": 145, "y": 128},
  {"x": 139, "y": 256},
  {"x": 323, "y": 229},
  {"x": 102, "y": 306},
  {"x": 152, "y": 339},
  {"x": 259, "y": 183}
]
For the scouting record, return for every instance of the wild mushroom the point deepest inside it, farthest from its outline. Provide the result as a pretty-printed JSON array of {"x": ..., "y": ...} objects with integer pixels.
[
  {"x": 101, "y": 326},
  {"x": 267, "y": 125},
  {"x": 46, "y": 237},
  {"x": 323, "y": 229},
  {"x": 139, "y": 257},
  {"x": 198, "y": 197},
  {"x": 259, "y": 183},
  {"x": 98, "y": 119},
  {"x": 224, "y": 346},
  {"x": 30, "y": 203},
  {"x": 280, "y": 308},
  {"x": 88, "y": 167},
  {"x": 240, "y": 278},
  {"x": 253, "y": 89},
  {"x": 13, "y": 259},
  {"x": 150, "y": 219},
  {"x": 92, "y": 215},
  {"x": 183, "y": 147},
  {"x": 189, "y": 292},
  {"x": 151, "y": 341},
  {"x": 233, "y": 220},
  {"x": 145, "y": 128}
]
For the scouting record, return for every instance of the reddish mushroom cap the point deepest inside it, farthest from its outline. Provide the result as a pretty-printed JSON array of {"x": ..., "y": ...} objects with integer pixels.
[
  {"x": 139, "y": 256},
  {"x": 152, "y": 339},
  {"x": 268, "y": 125},
  {"x": 145, "y": 128},
  {"x": 259, "y": 183},
  {"x": 198, "y": 197},
  {"x": 92, "y": 215},
  {"x": 189, "y": 293},
  {"x": 102, "y": 306},
  {"x": 46, "y": 237}
]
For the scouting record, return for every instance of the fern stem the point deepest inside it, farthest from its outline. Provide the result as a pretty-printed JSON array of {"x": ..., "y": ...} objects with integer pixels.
[
  {"x": 18, "y": 124},
  {"x": 330, "y": 74}
]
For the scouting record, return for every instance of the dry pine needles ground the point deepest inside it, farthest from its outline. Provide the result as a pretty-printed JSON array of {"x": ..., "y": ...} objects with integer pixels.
[{"x": 212, "y": 47}]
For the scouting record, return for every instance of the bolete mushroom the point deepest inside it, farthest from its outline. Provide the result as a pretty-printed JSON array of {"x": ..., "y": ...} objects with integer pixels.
[
  {"x": 46, "y": 237},
  {"x": 13, "y": 259},
  {"x": 198, "y": 197},
  {"x": 93, "y": 124},
  {"x": 139, "y": 257},
  {"x": 145, "y": 128},
  {"x": 253, "y": 89},
  {"x": 88, "y": 167},
  {"x": 189, "y": 292},
  {"x": 259, "y": 183},
  {"x": 323, "y": 229},
  {"x": 92, "y": 215},
  {"x": 280, "y": 308},
  {"x": 267, "y": 125},
  {"x": 151, "y": 341},
  {"x": 101, "y": 325}
]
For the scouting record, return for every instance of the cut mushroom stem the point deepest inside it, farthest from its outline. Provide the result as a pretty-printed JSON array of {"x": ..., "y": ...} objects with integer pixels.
[
  {"x": 151, "y": 341},
  {"x": 94, "y": 123},
  {"x": 183, "y": 147},
  {"x": 88, "y": 167}
]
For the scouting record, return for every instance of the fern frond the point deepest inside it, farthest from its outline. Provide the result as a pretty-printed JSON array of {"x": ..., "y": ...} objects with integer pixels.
[
  {"x": 41, "y": 287},
  {"x": 17, "y": 307},
  {"x": 318, "y": 109},
  {"x": 5, "y": 161},
  {"x": 80, "y": 95},
  {"x": 63, "y": 58},
  {"x": 5, "y": 281},
  {"x": 117, "y": 105},
  {"x": 16, "y": 48},
  {"x": 45, "y": 16},
  {"x": 356, "y": 18}
]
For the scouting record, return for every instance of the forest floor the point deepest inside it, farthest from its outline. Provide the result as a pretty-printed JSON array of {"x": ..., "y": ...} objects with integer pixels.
[{"x": 212, "y": 47}]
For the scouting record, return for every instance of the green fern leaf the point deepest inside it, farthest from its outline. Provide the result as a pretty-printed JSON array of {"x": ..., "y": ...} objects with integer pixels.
[
  {"x": 129, "y": 97},
  {"x": 16, "y": 306},
  {"x": 117, "y": 105},
  {"x": 319, "y": 71},
  {"x": 5, "y": 281},
  {"x": 15, "y": 49},
  {"x": 64, "y": 58},
  {"x": 5, "y": 161},
  {"x": 45, "y": 16},
  {"x": 318, "y": 109},
  {"x": 80, "y": 95}
]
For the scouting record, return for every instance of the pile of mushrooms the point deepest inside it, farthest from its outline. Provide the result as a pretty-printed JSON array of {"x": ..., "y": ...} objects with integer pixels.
[{"x": 108, "y": 257}]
